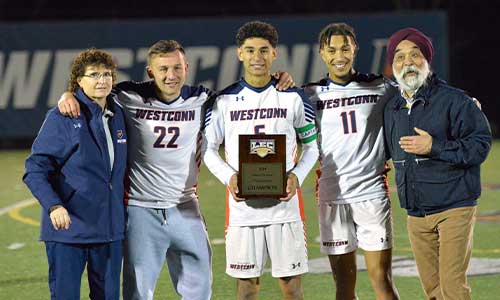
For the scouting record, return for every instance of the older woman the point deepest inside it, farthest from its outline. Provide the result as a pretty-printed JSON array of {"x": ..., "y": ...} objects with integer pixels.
[{"x": 76, "y": 172}]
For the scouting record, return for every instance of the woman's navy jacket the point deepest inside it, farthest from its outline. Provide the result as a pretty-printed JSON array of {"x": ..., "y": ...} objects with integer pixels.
[{"x": 70, "y": 166}]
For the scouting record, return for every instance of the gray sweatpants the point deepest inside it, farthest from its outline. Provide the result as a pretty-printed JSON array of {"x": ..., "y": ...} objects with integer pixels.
[{"x": 177, "y": 234}]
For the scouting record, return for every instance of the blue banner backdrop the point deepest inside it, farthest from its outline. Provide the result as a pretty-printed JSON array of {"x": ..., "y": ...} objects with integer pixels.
[{"x": 35, "y": 57}]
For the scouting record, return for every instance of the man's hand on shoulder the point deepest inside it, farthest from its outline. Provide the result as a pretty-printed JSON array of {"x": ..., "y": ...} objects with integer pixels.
[
  {"x": 285, "y": 80},
  {"x": 68, "y": 105},
  {"x": 478, "y": 104}
]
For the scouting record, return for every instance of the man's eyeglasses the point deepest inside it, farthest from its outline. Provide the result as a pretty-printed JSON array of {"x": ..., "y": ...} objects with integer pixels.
[{"x": 97, "y": 76}]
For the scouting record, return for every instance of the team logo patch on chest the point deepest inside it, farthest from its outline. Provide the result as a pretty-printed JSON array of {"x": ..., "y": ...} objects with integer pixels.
[
  {"x": 262, "y": 147},
  {"x": 119, "y": 135}
]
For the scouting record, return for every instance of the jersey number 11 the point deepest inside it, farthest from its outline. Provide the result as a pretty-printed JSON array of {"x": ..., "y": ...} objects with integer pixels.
[{"x": 345, "y": 118}]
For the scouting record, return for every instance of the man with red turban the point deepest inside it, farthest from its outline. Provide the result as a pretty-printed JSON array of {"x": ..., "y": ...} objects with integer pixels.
[{"x": 437, "y": 138}]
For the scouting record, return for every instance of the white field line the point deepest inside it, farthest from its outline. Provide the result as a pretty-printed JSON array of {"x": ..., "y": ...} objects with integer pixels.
[{"x": 23, "y": 203}]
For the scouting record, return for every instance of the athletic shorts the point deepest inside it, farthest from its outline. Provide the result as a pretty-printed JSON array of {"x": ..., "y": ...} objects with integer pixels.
[
  {"x": 248, "y": 247},
  {"x": 365, "y": 224}
]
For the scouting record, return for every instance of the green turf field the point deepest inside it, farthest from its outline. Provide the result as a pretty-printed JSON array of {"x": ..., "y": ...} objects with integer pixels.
[{"x": 23, "y": 271}]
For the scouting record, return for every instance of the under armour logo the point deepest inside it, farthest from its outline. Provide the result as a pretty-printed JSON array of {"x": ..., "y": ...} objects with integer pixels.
[
  {"x": 77, "y": 125},
  {"x": 295, "y": 266},
  {"x": 325, "y": 88},
  {"x": 240, "y": 98}
]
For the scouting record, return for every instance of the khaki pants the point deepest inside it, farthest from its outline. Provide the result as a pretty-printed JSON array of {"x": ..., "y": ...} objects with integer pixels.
[{"x": 442, "y": 245}]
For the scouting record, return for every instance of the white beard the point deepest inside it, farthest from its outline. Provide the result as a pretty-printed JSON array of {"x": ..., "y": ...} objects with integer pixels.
[{"x": 412, "y": 83}]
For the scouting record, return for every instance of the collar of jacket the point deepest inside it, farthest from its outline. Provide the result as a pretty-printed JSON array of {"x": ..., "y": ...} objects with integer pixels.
[
  {"x": 424, "y": 94},
  {"x": 94, "y": 108}
]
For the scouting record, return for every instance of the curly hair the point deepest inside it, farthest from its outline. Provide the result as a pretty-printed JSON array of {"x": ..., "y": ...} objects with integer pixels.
[
  {"x": 89, "y": 57},
  {"x": 257, "y": 29},
  {"x": 336, "y": 29}
]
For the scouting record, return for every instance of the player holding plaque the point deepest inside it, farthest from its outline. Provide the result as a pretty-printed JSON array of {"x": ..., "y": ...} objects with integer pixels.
[{"x": 258, "y": 228}]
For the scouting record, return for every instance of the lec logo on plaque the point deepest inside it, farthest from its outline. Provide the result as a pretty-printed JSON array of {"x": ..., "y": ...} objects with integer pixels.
[{"x": 262, "y": 147}]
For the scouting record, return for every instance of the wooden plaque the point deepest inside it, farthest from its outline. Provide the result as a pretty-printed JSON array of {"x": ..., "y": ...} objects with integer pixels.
[{"x": 262, "y": 166}]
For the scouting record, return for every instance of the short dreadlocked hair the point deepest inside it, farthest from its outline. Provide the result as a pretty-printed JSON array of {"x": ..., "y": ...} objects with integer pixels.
[{"x": 342, "y": 29}]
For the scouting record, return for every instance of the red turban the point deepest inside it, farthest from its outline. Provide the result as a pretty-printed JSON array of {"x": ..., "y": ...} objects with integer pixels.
[{"x": 411, "y": 34}]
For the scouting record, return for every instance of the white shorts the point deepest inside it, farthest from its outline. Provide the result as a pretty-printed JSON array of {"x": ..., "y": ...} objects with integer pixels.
[
  {"x": 345, "y": 227},
  {"x": 248, "y": 247}
]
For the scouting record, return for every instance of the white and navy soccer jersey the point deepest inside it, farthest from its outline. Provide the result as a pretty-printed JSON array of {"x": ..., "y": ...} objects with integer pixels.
[
  {"x": 164, "y": 153},
  {"x": 243, "y": 109},
  {"x": 349, "y": 120}
]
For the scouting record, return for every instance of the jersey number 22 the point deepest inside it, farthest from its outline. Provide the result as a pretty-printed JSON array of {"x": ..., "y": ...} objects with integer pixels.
[{"x": 162, "y": 133}]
